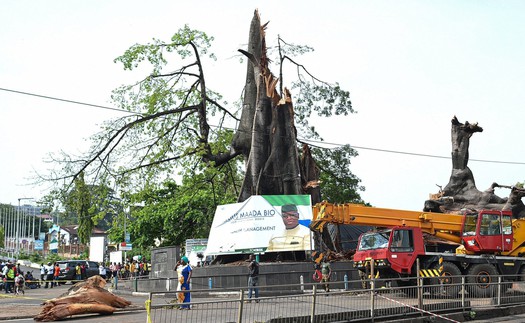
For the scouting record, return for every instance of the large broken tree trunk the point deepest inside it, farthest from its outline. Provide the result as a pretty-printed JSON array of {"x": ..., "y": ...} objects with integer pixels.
[
  {"x": 83, "y": 298},
  {"x": 267, "y": 135},
  {"x": 461, "y": 191},
  {"x": 310, "y": 175}
]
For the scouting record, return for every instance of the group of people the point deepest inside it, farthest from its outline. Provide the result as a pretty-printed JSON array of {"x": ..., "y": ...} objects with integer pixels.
[
  {"x": 12, "y": 278},
  {"x": 130, "y": 269},
  {"x": 50, "y": 274}
]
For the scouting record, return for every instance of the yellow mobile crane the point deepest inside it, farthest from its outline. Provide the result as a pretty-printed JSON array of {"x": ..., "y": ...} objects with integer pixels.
[{"x": 484, "y": 244}]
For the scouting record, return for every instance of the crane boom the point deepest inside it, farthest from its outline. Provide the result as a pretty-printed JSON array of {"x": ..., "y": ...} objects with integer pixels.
[{"x": 446, "y": 226}]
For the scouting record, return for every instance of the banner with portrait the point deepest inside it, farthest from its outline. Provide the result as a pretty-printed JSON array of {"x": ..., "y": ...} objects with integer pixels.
[{"x": 262, "y": 223}]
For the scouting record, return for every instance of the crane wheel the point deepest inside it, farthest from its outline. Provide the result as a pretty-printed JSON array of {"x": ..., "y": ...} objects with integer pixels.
[
  {"x": 482, "y": 280},
  {"x": 449, "y": 283}
]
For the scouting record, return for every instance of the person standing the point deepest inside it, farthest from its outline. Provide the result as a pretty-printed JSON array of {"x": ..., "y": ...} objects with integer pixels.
[
  {"x": 326, "y": 271},
  {"x": 146, "y": 268},
  {"x": 10, "y": 278},
  {"x": 132, "y": 269},
  {"x": 253, "y": 279},
  {"x": 184, "y": 279},
  {"x": 49, "y": 275},
  {"x": 119, "y": 270},
  {"x": 102, "y": 270},
  {"x": 42, "y": 273},
  {"x": 136, "y": 270},
  {"x": 78, "y": 273},
  {"x": 112, "y": 269},
  {"x": 56, "y": 273},
  {"x": 83, "y": 271},
  {"x": 19, "y": 284}
]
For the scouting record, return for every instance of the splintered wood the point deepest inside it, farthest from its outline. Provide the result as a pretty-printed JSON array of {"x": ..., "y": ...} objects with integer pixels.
[{"x": 83, "y": 298}]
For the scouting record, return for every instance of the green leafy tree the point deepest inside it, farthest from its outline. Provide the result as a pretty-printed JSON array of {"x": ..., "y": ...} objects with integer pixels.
[
  {"x": 171, "y": 213},
  {"x": 2, "y": 237},
  {"x": 176, "y": 123},
  {"x": 81, "y": 203},
  {"x": 339, "y": 185},
  {"x": 7, "y": 211}
]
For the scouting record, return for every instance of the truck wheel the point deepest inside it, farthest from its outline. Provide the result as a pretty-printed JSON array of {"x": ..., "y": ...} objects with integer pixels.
[
  {"x": 481, "y": 280},
  {"x": 449, "y": 283}
]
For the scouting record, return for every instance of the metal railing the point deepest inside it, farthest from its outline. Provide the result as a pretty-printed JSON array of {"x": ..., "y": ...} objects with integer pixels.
[{"x": 382, "y": 300}]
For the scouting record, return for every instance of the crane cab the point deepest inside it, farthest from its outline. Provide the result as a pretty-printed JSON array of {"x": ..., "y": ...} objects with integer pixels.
[
  {"x": 487, "y": 231},
  {"x": 393, "y": 250}
]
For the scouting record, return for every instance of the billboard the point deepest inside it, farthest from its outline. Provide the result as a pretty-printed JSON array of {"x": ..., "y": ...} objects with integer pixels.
[
  {"x": 97, "y": 249},
  {"x": 115, "y": 257},
  {"x": 262, "y": 223}
]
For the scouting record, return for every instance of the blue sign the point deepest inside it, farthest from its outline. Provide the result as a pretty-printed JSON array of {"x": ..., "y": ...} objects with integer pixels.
[{"x": 39, "y": 244}]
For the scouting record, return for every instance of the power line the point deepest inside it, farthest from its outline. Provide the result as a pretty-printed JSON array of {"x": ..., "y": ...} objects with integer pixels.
[
  {"x": 65, "y": 100},
  {"x": 414, "y": 154},
  {"x": 306, "y": 140}
]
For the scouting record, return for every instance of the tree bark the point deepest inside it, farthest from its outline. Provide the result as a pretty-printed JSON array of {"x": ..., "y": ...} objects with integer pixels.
[
  {"x": 83, "y": 298},
  {"x": 267, "y": 134},
  {"x": 461, "y": 191},
  {"x": 310, "y": 174}
]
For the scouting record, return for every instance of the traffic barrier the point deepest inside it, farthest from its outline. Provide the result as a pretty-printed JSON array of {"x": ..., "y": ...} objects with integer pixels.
[{"x": 386, "y": 300}]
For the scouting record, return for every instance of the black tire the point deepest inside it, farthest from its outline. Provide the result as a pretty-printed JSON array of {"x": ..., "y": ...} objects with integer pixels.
[
  {"x": 449, "y": 282},
  {"x": 482, "y": 280}
]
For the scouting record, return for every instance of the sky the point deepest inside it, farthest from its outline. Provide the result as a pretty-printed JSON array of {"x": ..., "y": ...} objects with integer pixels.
[{"x": 410, "y": 66}]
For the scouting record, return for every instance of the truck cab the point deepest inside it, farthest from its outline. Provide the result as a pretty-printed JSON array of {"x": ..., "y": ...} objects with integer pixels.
[
  {"x": 394, "y": 251},
  {"x": 488, "y": 231}
]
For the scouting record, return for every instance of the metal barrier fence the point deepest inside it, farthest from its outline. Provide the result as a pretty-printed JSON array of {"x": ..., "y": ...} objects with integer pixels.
[{"x": 382, "y": 300}]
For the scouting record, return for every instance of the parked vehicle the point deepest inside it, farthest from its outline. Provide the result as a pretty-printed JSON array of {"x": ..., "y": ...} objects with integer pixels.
[
  {"x": 480, "y": 245},
  {"x": 67, "y": 269}
]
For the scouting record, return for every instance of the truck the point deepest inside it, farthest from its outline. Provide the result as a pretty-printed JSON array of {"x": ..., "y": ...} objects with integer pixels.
[{"x": 480, "y": 245}]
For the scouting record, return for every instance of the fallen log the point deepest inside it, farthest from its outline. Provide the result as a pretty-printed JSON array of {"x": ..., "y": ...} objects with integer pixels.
[
  {"x": 63, "y": 311},
  {"x": 83, "y": 298}
]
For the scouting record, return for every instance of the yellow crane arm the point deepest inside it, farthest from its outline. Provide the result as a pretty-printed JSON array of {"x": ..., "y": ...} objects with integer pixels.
[{"x": 445, "y": 226}]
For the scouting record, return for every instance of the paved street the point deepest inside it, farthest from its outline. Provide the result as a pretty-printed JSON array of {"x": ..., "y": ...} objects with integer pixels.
[
  {"x": 27, "y": 306},
  {"x": 24, "y": 308}
]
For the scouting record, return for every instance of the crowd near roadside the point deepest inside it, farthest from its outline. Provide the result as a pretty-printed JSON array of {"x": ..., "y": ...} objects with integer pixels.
[
  {"x": 14, "y": 281},
  {"x": 130, "y": 269}
]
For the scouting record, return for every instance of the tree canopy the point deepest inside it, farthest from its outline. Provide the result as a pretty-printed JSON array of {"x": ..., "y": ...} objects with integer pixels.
[{"x": 179, "y": 130}]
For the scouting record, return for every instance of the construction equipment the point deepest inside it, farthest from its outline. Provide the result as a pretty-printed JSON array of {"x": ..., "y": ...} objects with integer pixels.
[{"x": 478, "y": 244}]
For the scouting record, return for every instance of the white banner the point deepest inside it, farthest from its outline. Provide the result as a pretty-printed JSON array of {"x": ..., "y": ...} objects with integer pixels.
[{"x": 261, "y": 224}]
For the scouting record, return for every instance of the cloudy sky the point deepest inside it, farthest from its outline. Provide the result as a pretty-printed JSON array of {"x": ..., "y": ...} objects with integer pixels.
[{"x": 410, "y": 67}]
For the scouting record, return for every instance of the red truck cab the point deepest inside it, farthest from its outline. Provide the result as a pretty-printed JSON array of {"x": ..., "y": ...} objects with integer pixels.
[{"x": 394, "y": 250}]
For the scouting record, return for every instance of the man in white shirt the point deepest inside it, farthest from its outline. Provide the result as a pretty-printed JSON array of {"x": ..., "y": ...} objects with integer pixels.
[
  {"x": 49, "y": 269},
  {"x": 102, "y": 270},
  {"x": 5, "y": 269},
  {"x": 294, "y": 236}
]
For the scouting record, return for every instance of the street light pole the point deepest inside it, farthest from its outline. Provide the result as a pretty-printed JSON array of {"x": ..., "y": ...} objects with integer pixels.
[{"x": 18, "y": 225}]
